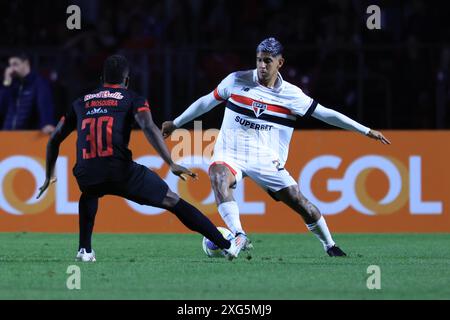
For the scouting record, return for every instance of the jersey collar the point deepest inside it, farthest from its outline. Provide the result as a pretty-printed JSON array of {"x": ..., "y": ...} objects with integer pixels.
[{"x": 278, "y": 83}]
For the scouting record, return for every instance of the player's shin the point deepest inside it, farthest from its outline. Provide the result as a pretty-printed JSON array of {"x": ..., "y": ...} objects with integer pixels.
[
  {"x": 320, "y": 229},
  {"x": 192, "y": 218},
  {"x": 229, "y": 211}
]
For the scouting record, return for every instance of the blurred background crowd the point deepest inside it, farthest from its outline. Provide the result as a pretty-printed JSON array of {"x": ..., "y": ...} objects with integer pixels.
[{"x": 393, "y": 78}]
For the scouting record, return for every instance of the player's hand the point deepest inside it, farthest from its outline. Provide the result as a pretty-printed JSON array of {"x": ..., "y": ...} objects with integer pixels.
[
  {"x": 167, "y": 128},
  {"x": 378, "y": 136},
  {"x": 46, "y": 184},
  {"x": 7, "y": 80},
  {"x": 182, "y": 172},
  {"x": 48, "y": 129}
]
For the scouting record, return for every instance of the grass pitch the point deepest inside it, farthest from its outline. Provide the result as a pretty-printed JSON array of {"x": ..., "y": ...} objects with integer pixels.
[{"x": 173, "y": 266}]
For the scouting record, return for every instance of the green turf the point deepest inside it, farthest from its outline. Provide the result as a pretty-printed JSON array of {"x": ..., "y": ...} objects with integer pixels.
[{"x": 284, "y": 266}]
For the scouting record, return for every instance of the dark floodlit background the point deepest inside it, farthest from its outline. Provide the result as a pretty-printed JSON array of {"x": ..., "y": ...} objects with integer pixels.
[{"x": 394, "y": 78}]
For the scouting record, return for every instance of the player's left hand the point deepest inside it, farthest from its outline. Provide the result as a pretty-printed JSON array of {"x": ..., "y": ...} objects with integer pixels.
[
  {"x": 182, "y": 172},
  {"x": 46, "y": 184},
  {"x": 378, "y": 136}
]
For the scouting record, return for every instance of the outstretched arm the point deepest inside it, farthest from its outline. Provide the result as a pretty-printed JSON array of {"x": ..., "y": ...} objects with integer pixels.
[
  {"x": 63, "y": 129},
  {"x": 199, "y": 107},
  {"x": 337, "y": 119},
  {"x": 153, "y": 135}
]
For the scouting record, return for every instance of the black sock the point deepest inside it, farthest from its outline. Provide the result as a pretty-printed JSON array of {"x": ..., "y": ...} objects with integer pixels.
[
  {"x": 196, "y": 221},
  {"x": 87, "y": 209}
]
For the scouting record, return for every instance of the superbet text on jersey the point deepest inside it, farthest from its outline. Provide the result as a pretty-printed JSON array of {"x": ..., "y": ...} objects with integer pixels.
[{"x": 259, "y": 121}]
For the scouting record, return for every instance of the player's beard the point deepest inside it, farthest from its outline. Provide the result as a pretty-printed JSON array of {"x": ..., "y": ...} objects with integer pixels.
[{"x": 263, "y": 76}]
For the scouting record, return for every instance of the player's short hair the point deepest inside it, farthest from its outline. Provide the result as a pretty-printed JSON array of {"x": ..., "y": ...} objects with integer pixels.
[
  {"x": 270, "y": 45},
  {"x": 115, "y": 69}
]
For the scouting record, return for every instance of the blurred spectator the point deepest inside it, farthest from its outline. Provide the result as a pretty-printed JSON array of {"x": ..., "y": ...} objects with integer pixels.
[{"x": 25, "y": 98}]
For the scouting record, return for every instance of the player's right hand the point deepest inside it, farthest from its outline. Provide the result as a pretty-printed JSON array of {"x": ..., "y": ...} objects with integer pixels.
[
  {"x": 167, "y": 128},
  {"x": 182, "y": 172},
  {"x": 46, "y": 184}
]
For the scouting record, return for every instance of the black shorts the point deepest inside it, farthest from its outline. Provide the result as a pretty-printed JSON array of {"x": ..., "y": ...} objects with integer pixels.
[{"x": 142, "y": 186}]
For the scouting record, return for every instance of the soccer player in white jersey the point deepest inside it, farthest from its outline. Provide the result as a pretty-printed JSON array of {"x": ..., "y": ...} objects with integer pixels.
[{"x": 254, "y": 138}]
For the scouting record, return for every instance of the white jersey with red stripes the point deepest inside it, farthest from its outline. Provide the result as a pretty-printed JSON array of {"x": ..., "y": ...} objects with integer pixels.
[{"x": 258, "y": 121}]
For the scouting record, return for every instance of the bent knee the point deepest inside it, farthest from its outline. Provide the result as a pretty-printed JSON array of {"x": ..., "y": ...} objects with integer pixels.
[
  {"x": 219, "y": 177},
  {"x": 221, "y": 181},
  {"x": 170, "y": 200},
  {"x": 295, "y": 197}
]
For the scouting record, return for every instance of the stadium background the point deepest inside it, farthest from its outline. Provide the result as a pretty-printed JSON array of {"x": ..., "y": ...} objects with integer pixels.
[
  {"x": 393, "y": 78},
  {"x": 393, "y": 212}
]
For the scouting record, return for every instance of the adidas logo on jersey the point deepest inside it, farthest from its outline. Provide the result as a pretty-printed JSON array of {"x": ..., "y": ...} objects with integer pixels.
[
  {"x": 258, "y": 108},
  {"x": 96, "y": 111}
]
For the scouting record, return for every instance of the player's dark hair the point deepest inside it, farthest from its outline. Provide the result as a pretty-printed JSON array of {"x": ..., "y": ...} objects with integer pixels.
[
  {"x": 270, "y": 45},
  {"x": 115, "y": 69}
]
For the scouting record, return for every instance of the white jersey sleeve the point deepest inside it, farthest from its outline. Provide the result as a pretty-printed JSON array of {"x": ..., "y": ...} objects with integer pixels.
[
  {"x": 223, "y": 90},
  {"x": 196, "y": 109},
  {"x": 337, "y": 119},
  {"x": 207, "y": 102},
  {"x": 302, "y": 104}
]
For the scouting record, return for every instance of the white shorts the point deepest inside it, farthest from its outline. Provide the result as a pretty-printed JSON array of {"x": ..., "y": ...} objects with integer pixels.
[{"x": 271, "y": 177}]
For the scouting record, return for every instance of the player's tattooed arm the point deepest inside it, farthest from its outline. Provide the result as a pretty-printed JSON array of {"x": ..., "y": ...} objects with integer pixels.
[
  {"x": 62, "y": 130},
  {"x": 153, "y": 135}
]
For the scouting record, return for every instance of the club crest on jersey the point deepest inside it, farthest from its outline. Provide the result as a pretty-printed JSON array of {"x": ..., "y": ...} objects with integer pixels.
[
  {"x": 96, "y": 111},
  {"x": 258, "y": 108}
]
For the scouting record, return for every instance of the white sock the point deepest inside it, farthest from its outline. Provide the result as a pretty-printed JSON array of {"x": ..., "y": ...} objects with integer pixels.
[
  {"x": 229, "y": 212},
  {"x": 320, "y": 229}
]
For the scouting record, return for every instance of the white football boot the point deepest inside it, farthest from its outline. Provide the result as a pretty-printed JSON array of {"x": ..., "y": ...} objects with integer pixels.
[
  {"x": 237, "y": 244},
  {"x": 248, "y": 244},
  {"x": 83, "y": 256},
  {"x": 80, "y": 254}
]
